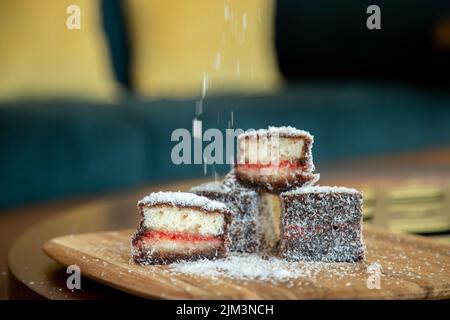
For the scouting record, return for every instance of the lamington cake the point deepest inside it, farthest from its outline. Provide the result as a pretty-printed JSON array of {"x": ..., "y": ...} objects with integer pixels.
[
  {"x": 321, "y": 224},
  {"x": 180, "y": 226},
  {"x": 275, "y": 159},
  {"x": 244, "y": 204},
  {"x": 267, "y": 204},
  {"x": 270, "y": 215}
]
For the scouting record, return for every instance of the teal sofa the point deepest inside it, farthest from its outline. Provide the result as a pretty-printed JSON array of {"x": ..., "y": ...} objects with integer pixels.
[{"x": 66, "y": 148}]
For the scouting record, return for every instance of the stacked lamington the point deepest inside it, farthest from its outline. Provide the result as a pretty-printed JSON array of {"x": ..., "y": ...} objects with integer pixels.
[{"x": 271, "y": 206}]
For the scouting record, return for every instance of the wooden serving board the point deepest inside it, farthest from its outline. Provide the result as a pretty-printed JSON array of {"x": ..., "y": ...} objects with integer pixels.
[{"x": 412, "y": 268}]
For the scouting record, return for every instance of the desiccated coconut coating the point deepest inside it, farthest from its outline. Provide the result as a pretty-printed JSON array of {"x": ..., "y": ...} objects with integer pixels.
[
  {"x": 182, "y": 199},
  {"x": 245, "y": 231},
  {"x": 322, "y": 224}
]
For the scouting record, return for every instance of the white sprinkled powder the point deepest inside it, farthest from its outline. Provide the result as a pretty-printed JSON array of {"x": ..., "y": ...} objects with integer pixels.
[
  {"x": 319, "y": 189},
  {"x": 281, "y": 132},
  {"x": 226, "y": 12},
  {"x": 197, "y": 128},
  {"x": 217, "y": 187},
  {"x": 398, "y": 265},
  {"x": 245, "y": 230},
  {"x": 376, "y": 267},
  {"x": 217, "y": 61},
  {"x": 182, "y": 199}
]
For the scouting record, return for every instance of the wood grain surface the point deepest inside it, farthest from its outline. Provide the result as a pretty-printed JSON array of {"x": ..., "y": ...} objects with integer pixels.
[{"x": 412, "y": 268}]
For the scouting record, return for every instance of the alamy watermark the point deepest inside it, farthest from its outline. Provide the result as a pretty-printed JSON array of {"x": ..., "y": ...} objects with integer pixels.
[
  {"x": 73, "y": 21},
  {"x": 74, "y": 280}
]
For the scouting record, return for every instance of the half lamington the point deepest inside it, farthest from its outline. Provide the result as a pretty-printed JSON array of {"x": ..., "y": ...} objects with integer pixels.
[
  {"x": 276, "y": 159},
  {"x": 180, "y": 226}
]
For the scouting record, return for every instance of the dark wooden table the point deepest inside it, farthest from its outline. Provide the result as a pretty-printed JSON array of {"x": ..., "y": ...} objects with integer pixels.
[{"x": 31, "y": 274}]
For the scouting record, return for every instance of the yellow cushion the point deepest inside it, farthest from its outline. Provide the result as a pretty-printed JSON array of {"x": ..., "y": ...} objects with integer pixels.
[
  {"x": 181, "y": 48},
  {"x": 40, "y": 56}
]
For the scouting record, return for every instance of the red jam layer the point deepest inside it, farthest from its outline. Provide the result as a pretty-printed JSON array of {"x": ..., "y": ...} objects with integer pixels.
[
  {"x": 177, "y": 236},
  {"x": 292, "y": 165}
]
